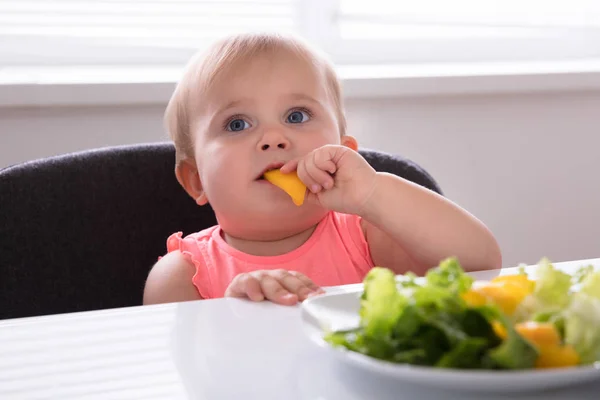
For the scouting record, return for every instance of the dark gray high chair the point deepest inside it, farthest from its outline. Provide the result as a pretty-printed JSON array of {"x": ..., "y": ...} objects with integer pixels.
[{"x": 81, "y": 231}]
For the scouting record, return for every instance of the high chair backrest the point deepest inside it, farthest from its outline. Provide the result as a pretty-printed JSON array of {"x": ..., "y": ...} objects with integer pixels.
[{"x": 81, "y": 231}]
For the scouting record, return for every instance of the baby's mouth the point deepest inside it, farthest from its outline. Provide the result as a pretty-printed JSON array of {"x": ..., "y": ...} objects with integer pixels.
[{"x": 270, "y": 167}]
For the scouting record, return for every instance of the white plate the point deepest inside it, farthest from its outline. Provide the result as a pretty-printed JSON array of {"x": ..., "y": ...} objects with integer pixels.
[{"x": 339, "y": 310}]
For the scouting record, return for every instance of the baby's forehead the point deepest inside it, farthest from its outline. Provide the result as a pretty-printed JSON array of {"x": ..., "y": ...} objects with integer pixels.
[{"x": 283, "y": 73}]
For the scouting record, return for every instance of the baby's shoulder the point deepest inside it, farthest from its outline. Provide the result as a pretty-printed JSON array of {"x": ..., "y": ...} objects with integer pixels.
[{"x": 170, "y": 280}]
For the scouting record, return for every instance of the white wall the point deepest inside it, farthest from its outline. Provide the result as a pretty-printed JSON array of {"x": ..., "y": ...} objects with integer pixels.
[
  {"x": 527, "y": 165},
  {"x": 30, "y": 133}
]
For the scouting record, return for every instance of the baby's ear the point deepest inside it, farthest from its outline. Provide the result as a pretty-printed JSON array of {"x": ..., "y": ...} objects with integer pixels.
[
  {"x": 350, "y": 141},
  {"x": 188, "y": 177}
]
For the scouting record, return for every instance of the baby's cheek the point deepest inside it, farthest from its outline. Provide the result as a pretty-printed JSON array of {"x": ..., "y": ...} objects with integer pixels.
[
  {"x": 222, "y": 190},
  {"x": 327, "y": 135}
]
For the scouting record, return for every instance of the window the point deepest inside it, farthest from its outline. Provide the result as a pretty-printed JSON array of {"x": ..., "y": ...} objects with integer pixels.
[
  {"x": 68, "y": 32},
  {"x": 59, "y": 32},
  {"x": 466, "y": 30}
]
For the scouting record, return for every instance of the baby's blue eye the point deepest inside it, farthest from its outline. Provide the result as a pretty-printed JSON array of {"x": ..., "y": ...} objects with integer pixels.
[
  {"x": 298, "y": 117},
  {"x": 237, "y": 125}
]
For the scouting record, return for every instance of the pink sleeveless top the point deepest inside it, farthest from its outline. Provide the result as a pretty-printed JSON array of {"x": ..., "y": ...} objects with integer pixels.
[{"x": 336, "y": 254}]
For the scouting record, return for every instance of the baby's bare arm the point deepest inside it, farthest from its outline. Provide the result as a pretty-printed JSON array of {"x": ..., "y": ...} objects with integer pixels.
[
  {"x": 170, "y": 280},
  {"x": 411, "y": 228}
]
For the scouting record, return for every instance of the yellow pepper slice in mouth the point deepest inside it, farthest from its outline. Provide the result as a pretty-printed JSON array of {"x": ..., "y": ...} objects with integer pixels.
[{"x": 289, "y": 183}]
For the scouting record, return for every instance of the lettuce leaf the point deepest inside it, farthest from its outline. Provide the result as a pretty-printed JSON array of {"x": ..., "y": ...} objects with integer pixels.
[
  {"x": 590, "y": 283},
  {"x": 449, "y": 275},
  {"x": 381, "y": 303},
  {"x": 552, "y": 287},
  {"x": 442, "y": 287},
  {"x": 582, "y": 326},
  {"x": 467, "y": 354}
]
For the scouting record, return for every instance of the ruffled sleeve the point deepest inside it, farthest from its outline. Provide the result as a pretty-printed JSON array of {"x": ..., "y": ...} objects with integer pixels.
[{"x": 191, "y": 248}]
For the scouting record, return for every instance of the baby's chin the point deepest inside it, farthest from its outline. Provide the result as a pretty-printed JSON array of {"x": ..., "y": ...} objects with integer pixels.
[{"x": 274, "y": 224}]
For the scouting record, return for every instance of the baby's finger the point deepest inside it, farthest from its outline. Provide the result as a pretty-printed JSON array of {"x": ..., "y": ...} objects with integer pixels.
[
  {"x": 274, "y": 291},
  {"x": 245, "y": 285},
  {"x": 290, "y": 166},
  {"x": 307, "y": 282},
  {"x": 320, "y": 175},
  {"x": 323, "y": 160},
  {"x": 252, "y": 288},
  {"x": 293, "y": 284},
  {"x": 307, "y": 179}
]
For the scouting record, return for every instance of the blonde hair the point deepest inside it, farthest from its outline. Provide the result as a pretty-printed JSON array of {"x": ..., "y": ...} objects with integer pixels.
[{"x": 204, "y": 68}]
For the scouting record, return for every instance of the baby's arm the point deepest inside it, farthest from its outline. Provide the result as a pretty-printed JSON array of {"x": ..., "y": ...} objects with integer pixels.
[
  {"x": 412, "y": 228},
  {"x": 170, "y": 280}
]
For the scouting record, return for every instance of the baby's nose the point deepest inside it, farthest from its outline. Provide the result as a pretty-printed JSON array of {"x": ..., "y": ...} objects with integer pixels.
[
  {"x": 280, "y": 145},
  {"x": 273, "y": 140}
]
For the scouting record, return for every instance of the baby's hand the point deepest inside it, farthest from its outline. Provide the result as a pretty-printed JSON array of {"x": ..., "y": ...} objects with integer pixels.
[
  {"x": 279, "y": 286},
  {"x": 337, "y": 177}
]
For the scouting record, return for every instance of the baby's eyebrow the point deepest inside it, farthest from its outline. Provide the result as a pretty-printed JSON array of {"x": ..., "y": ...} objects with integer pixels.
[
  {"x": 245, "y": 100},
  {"x": 306, "y": 97},
  {"x": 232, "y": 104}
]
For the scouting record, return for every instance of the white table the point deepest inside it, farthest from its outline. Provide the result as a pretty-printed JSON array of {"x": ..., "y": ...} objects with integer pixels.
[{"x": 217, "y": 349}]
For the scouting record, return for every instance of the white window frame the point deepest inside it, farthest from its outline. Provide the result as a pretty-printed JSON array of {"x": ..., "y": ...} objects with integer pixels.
[
  {"x": 565, "y": 44},
  {"x": 316, "y": 20}
]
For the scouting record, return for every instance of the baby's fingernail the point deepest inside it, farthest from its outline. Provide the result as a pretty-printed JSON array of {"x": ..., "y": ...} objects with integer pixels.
[
  {"x": 328, "y": 185},
  {"x": 315, "y": 188},
  {"x": 289, "y": 296},
  {"x": 257, "y": 297}
]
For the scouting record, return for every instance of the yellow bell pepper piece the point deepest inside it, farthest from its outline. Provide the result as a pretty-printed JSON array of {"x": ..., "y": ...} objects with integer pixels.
[
  {"x": 289, "y": 183},
  {"x": 507, "y": 292},
  {"x": 499, "y": 330},
  {"x": 507, "y": 297},
  {"x": 539, "y": 333},
  {"x": 473, "y": 298},
  {"x": 545, "y": 337},
  {"x": 516, "y": 280},
  {"x": 556, "y": 357}
]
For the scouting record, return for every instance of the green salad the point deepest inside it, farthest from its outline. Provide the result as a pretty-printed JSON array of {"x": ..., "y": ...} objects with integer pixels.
[{"x": 446, "y": 320}]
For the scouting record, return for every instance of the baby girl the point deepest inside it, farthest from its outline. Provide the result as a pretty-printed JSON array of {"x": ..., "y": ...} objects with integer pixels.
[{"x": 253, "y": 103}]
